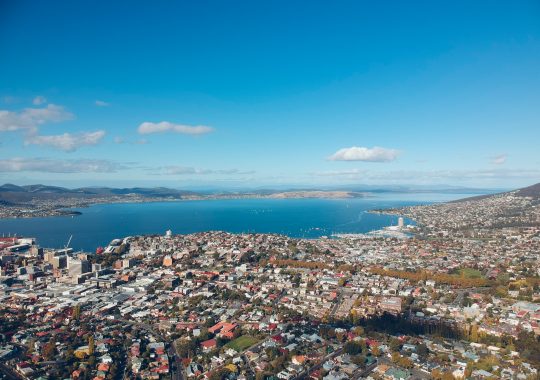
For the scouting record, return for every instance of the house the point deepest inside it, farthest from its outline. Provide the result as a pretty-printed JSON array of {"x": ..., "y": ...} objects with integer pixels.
[
  {"x": 396, "y": 374},
  {"x": 391, "y": 304},
  {"x": 194, "y": 369},
  {"x": 209, "y": 344},
  {"x": 223, "y": 329},
  {"x": 299, "y": 359}
]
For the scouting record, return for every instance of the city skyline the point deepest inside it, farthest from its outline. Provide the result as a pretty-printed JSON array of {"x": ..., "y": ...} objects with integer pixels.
[{"x": 253, "y": 95}]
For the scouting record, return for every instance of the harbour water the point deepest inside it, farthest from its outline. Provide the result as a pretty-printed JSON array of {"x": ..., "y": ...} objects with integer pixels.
[{"x": 307, "y": 218}]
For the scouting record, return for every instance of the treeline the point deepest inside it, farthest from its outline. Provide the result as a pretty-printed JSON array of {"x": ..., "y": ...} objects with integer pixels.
[
  {"x": 527, "y": 343},
  {"x": 289, "y": 263},
  {"x": 401, "y": 324},
  {"x": 441, "y": 278}
]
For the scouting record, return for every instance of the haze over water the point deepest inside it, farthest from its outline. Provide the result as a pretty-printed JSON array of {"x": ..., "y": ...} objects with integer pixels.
[{"x": 308, "y": 218}]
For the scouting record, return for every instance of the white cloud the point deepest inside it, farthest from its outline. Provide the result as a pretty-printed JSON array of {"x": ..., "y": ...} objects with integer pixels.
[
  {"x": 101, "y": 103},
  {"x": 67, "y": 142},
  {"x": 499, "y": 160},
  {"x": 31, "y": 118},
  {"x": 355, "y": 153},
  {"x": 164, "y": 126},
  {"x": 58, "y": 166},
  {"x": 39, "y": 100}
]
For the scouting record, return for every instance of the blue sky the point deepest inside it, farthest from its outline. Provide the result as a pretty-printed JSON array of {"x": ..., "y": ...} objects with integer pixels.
[{"x": 278, "y": 93}]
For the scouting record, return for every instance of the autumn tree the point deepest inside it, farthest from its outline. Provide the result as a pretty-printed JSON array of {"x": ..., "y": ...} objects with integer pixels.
[{"x": 91, "y": 345}]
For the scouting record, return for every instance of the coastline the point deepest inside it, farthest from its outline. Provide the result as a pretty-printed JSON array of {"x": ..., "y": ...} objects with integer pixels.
[{"x": 23, "y": 212}]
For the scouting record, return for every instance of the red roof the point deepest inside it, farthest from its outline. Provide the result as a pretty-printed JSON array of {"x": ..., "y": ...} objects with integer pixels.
[{"x": 210, "y": 343}]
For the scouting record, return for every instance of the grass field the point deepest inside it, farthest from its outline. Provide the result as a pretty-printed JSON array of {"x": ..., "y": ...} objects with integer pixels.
[
  {"x": 469, "y": 273},
  {"x": 241, "y": 343}
]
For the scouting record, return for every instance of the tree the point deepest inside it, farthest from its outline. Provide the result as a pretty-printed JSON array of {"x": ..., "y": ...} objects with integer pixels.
[
  {"x": 358, "y": 330},
  {"x": 353, "y": 348},
  {"x": 359, "y": 360},
  {"x": 436, "y": 374},
  {"x": 91, "y": 345},
  {"x": 49, "y": 350},
  {"x": 31, "y": 344},
  {"x": 473, "y": 335},
  {"x": 405, "y": 362},
  {"x": 422, "y": 350},
  {"x": 76, "y": 312},
  {"x": 220, "y": 374},
  {"x": 469, "y": 369},
  {"x": 395, "y": 344}
]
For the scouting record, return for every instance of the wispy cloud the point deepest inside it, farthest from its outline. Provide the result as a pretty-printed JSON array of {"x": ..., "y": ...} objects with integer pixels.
[
  {"x": 499, "y": 160},
  {"x": 67, "y": 142},
  {"x": 165, "y": 126},
  {"x": 355, "y": 153},
  {"x": 32, "y": 118},
  {"x": 39, "y": 100},
  {"x": 340, "y": 173},
  {"x": 428, "y": 176},
  {"x": 101, "y": 103},
  {"x": 121, "y": 140},
  {"x": 59, "y": 166},
  {"x": 11, "y": 99},
  {"x": 186, "y": 170}
]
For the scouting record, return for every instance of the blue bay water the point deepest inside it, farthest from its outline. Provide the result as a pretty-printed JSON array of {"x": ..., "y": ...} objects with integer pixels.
[{"x": 308, "y": 218}]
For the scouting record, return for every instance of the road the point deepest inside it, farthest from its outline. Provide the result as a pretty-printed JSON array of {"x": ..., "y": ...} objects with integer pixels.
[
  {"x": 176, "y": 370},
  {"x": 9, "y": 373},
  {"x": 336, "y": 305},
  {"x": 366, "y": 371},
  {"x": 7, "y": 370},
  {"x": 461, "y": 294}
]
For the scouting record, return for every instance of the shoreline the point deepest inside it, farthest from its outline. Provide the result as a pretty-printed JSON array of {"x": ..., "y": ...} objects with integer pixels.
[{"x": 66, "y": 211}]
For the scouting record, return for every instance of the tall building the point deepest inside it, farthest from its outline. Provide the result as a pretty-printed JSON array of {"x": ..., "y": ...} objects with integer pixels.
[
  {"x": 400, "y": 222},
  {"x": 59, "y": 262},
  {"x": 78, "y": 267}
]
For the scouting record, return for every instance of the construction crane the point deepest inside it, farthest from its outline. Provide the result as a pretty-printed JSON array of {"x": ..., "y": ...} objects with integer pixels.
[{"x": 68, "y": 243}]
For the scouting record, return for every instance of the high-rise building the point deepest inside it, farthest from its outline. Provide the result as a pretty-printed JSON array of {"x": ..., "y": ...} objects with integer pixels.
[
  {"x": 400, "y": 222},
  {"x": 78, "y": 267},
  {"x": 59, "y": 262}
]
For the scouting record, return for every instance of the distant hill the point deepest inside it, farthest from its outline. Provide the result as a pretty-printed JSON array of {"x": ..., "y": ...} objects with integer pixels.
[
  {"x": 530, "y": 191},
  {"x": 12, "y": 194}
]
